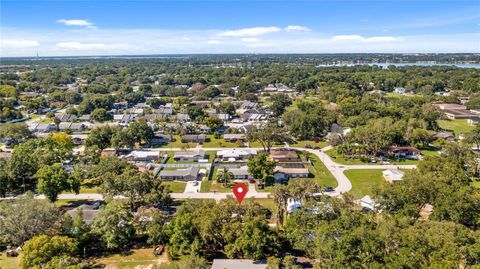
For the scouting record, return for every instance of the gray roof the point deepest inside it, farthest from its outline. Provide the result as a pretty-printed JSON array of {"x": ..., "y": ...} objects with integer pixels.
[{"x": 192, "y": 171}]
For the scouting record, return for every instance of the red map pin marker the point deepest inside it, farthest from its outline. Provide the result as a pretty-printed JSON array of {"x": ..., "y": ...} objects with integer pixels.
[{"x": 240, "y": 190}]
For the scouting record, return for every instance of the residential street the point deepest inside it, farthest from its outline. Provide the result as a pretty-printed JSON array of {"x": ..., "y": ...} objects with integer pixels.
[{"x": 336, "y": 169}]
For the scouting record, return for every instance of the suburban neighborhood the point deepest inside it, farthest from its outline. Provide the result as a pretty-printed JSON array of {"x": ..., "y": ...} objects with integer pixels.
[{"x": 239, "y": 134}]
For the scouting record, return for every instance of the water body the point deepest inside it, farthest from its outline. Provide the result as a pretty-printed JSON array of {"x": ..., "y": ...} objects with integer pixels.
[{"x": 385, "y": 65}]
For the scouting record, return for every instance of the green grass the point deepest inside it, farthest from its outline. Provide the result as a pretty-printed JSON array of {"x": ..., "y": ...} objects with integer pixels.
[
  {"x": 175, "y": 186},
  {"x": 87, "y": 190},
  {"x": 364, "y": 181},
  {"x": 338, "y": 158},
  {"x": 308, "y": 143},
  {"x": 257, "y": 144},
  {"x": 70, "y": 202},
  {"x": 456, "y": 126},
  {"x": 321, "y": 173},
  {"x": 178, "y": 143},
  {"x": 138, "y": 258},
  {"x": 9, "y": 262},
  {"x": 218, "y": 143},
  {"x": 205, "y": 186}
]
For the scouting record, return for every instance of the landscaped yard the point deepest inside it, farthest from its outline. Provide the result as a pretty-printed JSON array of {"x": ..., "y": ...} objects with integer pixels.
[
  {"x": 309, "y": 144},
  {"x": 175, "y": 186},
  {"x": 218, "y": 143},
  {"x": 364, "y": 181},
  {"x": 137, "y": 258},
  {"x": 456, "y": 126}
]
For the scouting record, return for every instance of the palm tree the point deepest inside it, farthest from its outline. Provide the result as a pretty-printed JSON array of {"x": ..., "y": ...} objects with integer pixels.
[{"x": 225, "y": 176}]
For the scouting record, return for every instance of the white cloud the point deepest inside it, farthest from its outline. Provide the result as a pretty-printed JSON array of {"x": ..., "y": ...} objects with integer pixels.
[
  {"x": 292, "y": 28},
  {"x": 213, "y": 41},
  {"x": 347, "y": 38},
  {"x": 18, "y": 43},
  {"x": 254, "y": 31},
  {"x": 359, "y": 38},
  {"x": 80, "y": 46},
  {"x": 250, "y": 39},
  {"x": 76, "y": 23}
]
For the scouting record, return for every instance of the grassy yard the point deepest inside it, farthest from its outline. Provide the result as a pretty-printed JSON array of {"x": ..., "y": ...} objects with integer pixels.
[
  {"x": 257, "y": 144},
  {"x": 137, "y": 258},
  {"x": 70, "y": 202},
  {"x": 456, "y": 126},
  {"x": 175, "y": 186},
  {"x": 178, "y": 143},
  {"x": 205, "y": 185},
  {"x": 338, "y": 158},
  {"x": 9, "y": 262},
  {"x": 364, "y": 181},
  {"x": 308, "y": 143},
  {"x": 218, "y": 143},
  {"x": 321, "y": 173},
  {"x": 87, "y": 189}
]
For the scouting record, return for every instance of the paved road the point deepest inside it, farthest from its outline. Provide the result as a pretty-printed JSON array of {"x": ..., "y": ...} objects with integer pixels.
[{"x": 337, "y": 170}]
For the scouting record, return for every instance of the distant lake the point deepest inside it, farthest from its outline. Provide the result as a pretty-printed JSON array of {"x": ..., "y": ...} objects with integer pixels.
[{"x": 385, "y": 65}]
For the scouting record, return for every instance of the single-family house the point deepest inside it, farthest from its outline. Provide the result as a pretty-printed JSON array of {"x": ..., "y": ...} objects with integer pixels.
[
  {"x": 234, "y": 137},
  {"x": 88, "y": 212},
  {"x": 189, "y": 156},
  {"x": 448, "y": 136},
  {"x": 194, "y": 138},
  {"x": 392, "y": 175},
  {"x": 235, "y": 154},
  {"x": 284, "y": 155},
  {"x": 143, "y": 156},
  {"x": 283, "y": 172},
  {"x": 73, "y": 126},
  {"x": 66, "y": 117},
  {"x": 405, "y": 152},
  {"x": 240, "y": 173},
  {"x": 188, "y": 174},
  {"x": 183, "y": 117},
  {"x": 367, "y": 202}
]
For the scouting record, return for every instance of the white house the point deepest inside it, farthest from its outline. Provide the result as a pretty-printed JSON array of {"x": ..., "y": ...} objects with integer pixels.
[
  {"x": 367, "y": 202},
  {"x": 392, "y": 175}
]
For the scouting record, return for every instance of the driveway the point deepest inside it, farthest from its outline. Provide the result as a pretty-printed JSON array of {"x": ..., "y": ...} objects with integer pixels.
[{"x": 191, "y": 187}]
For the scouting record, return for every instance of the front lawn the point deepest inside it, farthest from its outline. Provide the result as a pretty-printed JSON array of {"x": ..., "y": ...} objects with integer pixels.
[
  {"x": 175, "y": 186},
  {"x": 218, "y": 143},
  {"x": 9, "y": 262},
  {"x": 257, "y": 144},
  {"x": 178, "y": 143},
  {"x": 309, "y": 144},
  {"x": 364, "y": 181},
  {"x": 322, "y": 175},
  {"x": 456, "y": 126}
]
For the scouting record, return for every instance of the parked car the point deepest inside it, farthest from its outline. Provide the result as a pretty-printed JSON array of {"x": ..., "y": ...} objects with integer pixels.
[
  {"x": 251, "y": 180},
  {"x": 328, "y": 189}
]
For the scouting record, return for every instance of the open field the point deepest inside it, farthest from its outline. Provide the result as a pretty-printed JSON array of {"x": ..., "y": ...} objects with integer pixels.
[
  {"x": 364, "y": 181},
  {"x": 456, "y": 126}
]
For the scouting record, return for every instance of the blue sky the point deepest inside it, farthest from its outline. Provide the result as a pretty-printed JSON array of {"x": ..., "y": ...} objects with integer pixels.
[{"x": 99, "y": 27}]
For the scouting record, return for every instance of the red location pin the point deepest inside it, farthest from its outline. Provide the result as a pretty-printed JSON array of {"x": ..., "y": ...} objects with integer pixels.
[{"x": 240, "y": 190}]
